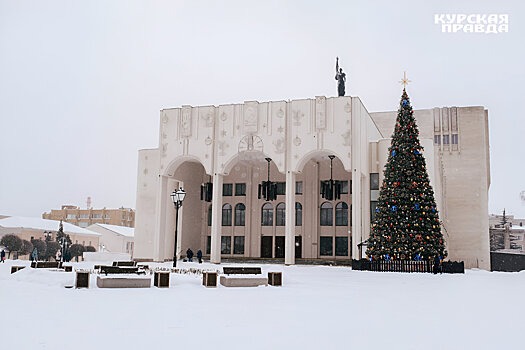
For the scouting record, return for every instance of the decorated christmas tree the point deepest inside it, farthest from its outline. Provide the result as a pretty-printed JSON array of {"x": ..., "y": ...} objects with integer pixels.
[{"x": 406, "y": 224}]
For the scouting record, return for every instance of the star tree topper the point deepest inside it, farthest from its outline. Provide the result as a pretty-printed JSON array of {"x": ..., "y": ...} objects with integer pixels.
[{"x": 405, "y": 80}]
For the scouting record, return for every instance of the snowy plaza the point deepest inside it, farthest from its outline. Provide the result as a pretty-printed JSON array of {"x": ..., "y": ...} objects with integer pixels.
[{"x": 317, "y": 307}]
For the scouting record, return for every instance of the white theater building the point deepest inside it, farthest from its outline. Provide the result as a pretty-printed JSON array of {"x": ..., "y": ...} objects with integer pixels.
[{"x": 227, "y": 146}]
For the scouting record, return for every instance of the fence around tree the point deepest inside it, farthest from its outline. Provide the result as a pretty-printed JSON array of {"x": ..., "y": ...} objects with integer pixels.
[{"x": 407, "y": 266}]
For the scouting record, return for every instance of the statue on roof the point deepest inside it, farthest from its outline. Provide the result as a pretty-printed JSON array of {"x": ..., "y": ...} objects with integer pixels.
[{"x": 340, "y": 77}]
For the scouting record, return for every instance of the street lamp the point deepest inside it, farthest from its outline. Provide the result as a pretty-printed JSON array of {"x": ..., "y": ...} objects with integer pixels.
[
  {"x": 63, "y": 246},
  {"x": 177, "y": 197}
]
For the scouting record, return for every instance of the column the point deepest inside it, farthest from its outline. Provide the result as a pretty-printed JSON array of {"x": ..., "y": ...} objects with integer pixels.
[
  {"x": 289, "y": 243},
  {"x": 160, "y": 224},
  {"x": 216, "y": 211}
]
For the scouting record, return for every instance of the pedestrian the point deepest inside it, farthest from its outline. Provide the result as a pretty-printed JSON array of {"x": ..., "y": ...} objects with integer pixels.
[
  {"x": 199, "y": 256},
  {"x": 437, "y": 265},
  {"x": 189, "y": 255},
  {"x": 2, "y": 255},
  {"x": 58, "y": 255},
  {"x": 34, "y": 255}
]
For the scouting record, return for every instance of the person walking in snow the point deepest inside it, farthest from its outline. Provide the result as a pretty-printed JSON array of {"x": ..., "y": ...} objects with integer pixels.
[
  {"x": 199, "y": 256},
  {"x": 2, "y": 256},
  {"x": 189, "y": 255},
  {"x": 437, "y": 265},
  {"x": 34, "y": 255}
]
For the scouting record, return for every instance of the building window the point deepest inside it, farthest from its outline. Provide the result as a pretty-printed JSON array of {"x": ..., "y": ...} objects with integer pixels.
[
  {"x": 71, "y": 216},
  {"x": 226, "y": 215},
  {"x": 445, "y": 140},
  {"x": 373, "y": 208},
  {"x": 238, "y": 245},
  {"x": 83, "y": 224},
  {"x": 344, "y": 187},
  {"x": 226, "y": 245},
  {"x": 97, "y": 216},
  {"x": 209, "y": 215},
  {"x": 298, "y": 214},
  {"x": 267, "y": 215},
  {"x": 437, "y": 139},
  {"x": 240, "y": 214},
  {"x": 280, "y": 188},
  {"x": 341, "y": 214},
  {"x": 298, "y": 187},
  {"x": 454, "y": 139},
  {"x": 280, "y": 212},
  {"x": 227, "y": 189},
  {"x": 240, "y": 189},
  {"x": 208, "y": 245},
  {"x": 326, "y": 246},
  {"x": 374, "y": 181},
  {"x": 84, "y": 216},
  {"x": 341, "y": 246},
  {"x": 326, "y": 214}
]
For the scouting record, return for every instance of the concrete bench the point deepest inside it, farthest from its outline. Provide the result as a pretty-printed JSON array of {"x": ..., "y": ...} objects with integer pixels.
[
  {"x": 125, "y": 263},
  {"x": 239, "y": 277},
  {"x": 123, "y": 282},
  {"x": 46, "y": 264},
  {"x": 16, "y": 268},
  {"x": 119, "y": 270}
]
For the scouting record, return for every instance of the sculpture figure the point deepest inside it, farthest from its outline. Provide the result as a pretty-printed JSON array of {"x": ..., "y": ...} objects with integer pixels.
[{"x": 340, "y": 77}]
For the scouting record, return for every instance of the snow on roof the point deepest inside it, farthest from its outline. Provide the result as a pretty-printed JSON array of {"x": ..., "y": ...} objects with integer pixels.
[
  {"x": 43, "y": 224},
  {"x": 121, "y": 230}
]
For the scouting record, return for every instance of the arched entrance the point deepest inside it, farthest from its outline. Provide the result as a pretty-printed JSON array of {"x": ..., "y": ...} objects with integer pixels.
[{"x": 326, "y": 200}]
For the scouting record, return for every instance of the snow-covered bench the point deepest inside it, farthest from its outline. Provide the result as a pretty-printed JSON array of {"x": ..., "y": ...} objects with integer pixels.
[
  {"x": 240, "y": 277},
  {"x": 120, "y": 270},
  {"x": 46, "y": 264},
  {"x": 16, "y": 268},
  {"x": 129, "y": 281},
  {"x": 125, "y": 263}
]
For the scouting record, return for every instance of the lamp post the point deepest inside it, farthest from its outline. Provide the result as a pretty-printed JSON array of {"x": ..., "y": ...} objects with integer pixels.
[
  {"x": 177, "y": 197},
  {"x": 63, "y": 248}
]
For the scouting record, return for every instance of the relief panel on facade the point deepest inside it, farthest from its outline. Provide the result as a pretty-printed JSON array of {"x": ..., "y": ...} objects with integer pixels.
[
  {"x": 320, "y": 112},
  {"x": 250, "y": 117},
  {"x": 279, "y": 145},
  {"x": 297, "y": 117},
  {"x": 185, "y": 122},
  {"x": 207, "y": 115},
  {"x": 250, "y": 143}
]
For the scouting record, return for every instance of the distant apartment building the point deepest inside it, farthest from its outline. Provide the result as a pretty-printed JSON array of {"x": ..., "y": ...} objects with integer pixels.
[{"x": 86, "y": 217}]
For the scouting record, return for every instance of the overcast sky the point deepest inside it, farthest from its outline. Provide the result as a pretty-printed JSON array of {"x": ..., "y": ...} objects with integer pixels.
[{"x": 82, "y": 82}]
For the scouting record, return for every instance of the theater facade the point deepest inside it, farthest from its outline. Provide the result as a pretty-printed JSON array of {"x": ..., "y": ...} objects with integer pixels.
[{"x": 221, "y": 154}]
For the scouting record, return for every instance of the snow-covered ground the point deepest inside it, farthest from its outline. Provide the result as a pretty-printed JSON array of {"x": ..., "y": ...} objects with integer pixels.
[{"x": 318, "y": 307}]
